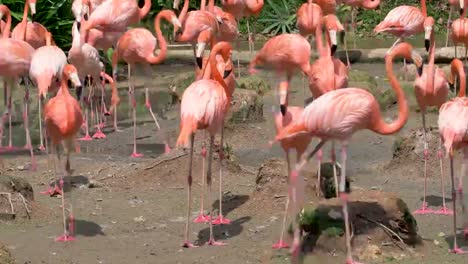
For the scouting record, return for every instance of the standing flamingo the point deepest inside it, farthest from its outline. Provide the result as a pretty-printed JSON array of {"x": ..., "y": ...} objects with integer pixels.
[
  {"x": 459, "y": 31},
  {"x": 453, "y": 129},
  {"x": 308, "y": 18},
  {"x": 431, "y": 89},
  {"x": 203, "y": 106},
  {"x": 15, "y": 60},
  {"x": 31, "y": 32},
  {"x": 63, "y": 119},
  {"x": 286, "y": 53},
  {"x": 298, "y": 143},
  {"x": 44, "y": 75},
  {"x": 137, "y": 46},
  {"x": 458, "y": 5},
  {"x": 337, "y": 115}
]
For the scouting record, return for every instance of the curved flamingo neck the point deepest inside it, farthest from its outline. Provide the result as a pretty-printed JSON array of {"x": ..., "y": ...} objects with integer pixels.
[
  {"x": 379, "y": 125},
  {"x": 431, "y": 66},
  {"x": 25, "y": 12},
  {"x": 111, "y": 83},
  {"x": 184, "y": 11},
  {"x": 215, "y": 73},
  {"x": 142, "y": 12},
  {"x": 319, "y": 41},
  {"x": 64, "y": 85},
  {"x": 48, "y": 39},
  {"x": 7, "y": 28},
  {"x": 162, "y": 41},
  {"x": 457, "y": 69},
  {"x": 423, "y": 8}
]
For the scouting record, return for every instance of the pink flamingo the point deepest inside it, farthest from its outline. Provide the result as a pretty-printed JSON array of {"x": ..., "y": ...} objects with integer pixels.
[
  {"x": 431, "y": 89},
  {"x": 204, "y": 104},
  {"x": 137, "y": 46},
  {"x": 86, "y": 59},
  {"x": 115, "y": 99},
  {"x": 44, "y": 75},
  {"x": 453, "y": 129},
  {"x": 15, "y": 60},
  {"x": 298, "y": 143},
  {"x": 63, "y": 119},
  {"x": 286, "y": 53},
  {"x": 337, "y": 115},
  {"x": 458, "y": 5},
  {"x": 308, "y": 18},
  {"x": 31, "y": 32},
  {"x": 459, "y": 31}
]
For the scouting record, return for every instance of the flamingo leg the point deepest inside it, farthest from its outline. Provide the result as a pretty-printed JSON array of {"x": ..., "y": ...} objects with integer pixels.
[
  {"x": 131, "y": 96},
  {"x": 281, "y": 244},
  {"x": 353, "y": 26},
  {"x": 220, "y": 220},
  {"x": 84, "y": 104},
  {"x": 455, "y": 249},
  {"x": 444, "y": 210},
  {"x": 187, "y": 243},
  {"x": 148, "y": 106},
  {"x": 460, "y": 190},
  {"x": 26, "y": 127},
  {"x": 449, "y": 20},
  {"x": 202, "y": 218},
  {"x": 99, "y": 134},
  {"x": 319, "y": 172},
  {"x": 10, "y": 113},
  {"x": 424, "y": 209},
  {"x": 116, "y": 128},
  {"x": 334, "y": 163},
  {"x": 250, "y": 39},
  {"x": 41, "y": 136},
  {"x": 211, "y": 241}
]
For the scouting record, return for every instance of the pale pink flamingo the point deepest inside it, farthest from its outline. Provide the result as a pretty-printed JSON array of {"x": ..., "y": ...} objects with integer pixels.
[
  {"x": 337, "y": 115},
  {"x": 63, "y": 119},
  {"x": 457, "y": 5},
  {"x": 299, "y": 143},
  {"x": 459, "y": 31},
  {"x": 31, "y": 32},
  {"x": 453, "y": 129},
  {"x": 285, "y": 53},
  {"x": 204, "y": 104},
  {"x": 87, "y": 61},
  {"x": 114, "y": 15},
  {"x": 44, "y": 75},
  {"x": 15, "y": 60},
  {"x": 137, "y": 46},
  {"x": 431, "y": 89},
  {"x": 199, "y": 27}
]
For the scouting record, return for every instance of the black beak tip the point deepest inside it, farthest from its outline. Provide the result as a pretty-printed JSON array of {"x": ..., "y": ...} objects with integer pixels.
[
  {"x": 420, "y": 70},
  {"x": 199, "y": 62},
  {"x": 333, "y": 49},
  {"x": 33, "y": 17},
  {"x": 342, "y": 36},
  {"x": 78, "y": 92},
  {"x": 78, "y": 25},
  {"x": 283, "y": 109},
  {"x": 226, "y": 73},
  {"x": 427, "y": 44},
  {"x": 461, "y": 11}
]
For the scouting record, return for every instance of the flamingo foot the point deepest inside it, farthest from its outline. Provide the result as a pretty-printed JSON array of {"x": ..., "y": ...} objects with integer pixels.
[
  {"x": 188, "y": 245},
  {"x": 99, "y": 135},
  {"x": 32, "y": 166},
  {"x": 136, "y": 155},
  {"x": 167, "y": 149},
  {"x": 444, "y": 211},
  {"x": 100, "y": 125},
  {"x": 457, "y": 250},
  {"x": 220, "y": 220},
  {"x": 27, "y": 146},
  {"x": 65, "y": 238},
  {"x": 53, "y": 191},
  {"x": 107, "y": 113},
  {"x": 253, "y": 71},
  {"x": 212, "y": 242},
  {"x": 280, "y": 244},
  {"x": 465, "y": 233},
  {"x": 42, "y": 148},
  {"x": 350, "y": 261},
  {"x": 116, "y": 129},
  {"x": 424, "y": 210},
  {"x": 86, "y": 138},
  {"x": 202, "y": 218}
]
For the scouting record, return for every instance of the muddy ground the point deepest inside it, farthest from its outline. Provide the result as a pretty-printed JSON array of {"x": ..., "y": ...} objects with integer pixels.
[{"x": 127, "y": 212}]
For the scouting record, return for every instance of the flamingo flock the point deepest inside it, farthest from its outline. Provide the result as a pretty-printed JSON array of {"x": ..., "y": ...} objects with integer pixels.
[{"x": 335, "y": 114}]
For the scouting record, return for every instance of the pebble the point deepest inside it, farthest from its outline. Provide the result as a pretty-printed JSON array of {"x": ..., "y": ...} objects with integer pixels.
[
  {"x": 139, "y": 219},
  {"x": 442, "y": 234}
]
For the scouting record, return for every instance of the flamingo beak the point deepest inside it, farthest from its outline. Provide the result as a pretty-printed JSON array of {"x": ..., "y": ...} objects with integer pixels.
[
  {"x": 32, "y": 6},
  {"x": 78, "y": 25},
  {"x": 333, "y": 41},
  {"x": 462, "y": 6},
  {"x": 227, "y": 73},
  {"x": 75, "y": 80},
  {"x": 427, "y": 37},
  {"x": 176, "y": 4},
  {"x": 283, "y": 95},
  {"x": 1, "y": 15},
  {"x": 199, "y": 54},
  {"x": 176, "y": 22}
]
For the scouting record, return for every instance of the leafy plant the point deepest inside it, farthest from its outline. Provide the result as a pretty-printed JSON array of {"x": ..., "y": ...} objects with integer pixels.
[{"x": 279, "y": 16}]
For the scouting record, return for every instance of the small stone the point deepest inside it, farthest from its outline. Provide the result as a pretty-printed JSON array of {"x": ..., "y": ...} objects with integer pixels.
[
  {"x": 94, "y": 184},
  {"x": 21, "y": 168},
  {"x": 436, "y": 242},
  {"x": 139, "y": 219},
  {"x": 441, "y": 234},
  {"x": 371, "y": 252},
  {"x": 99, "y": 199}
]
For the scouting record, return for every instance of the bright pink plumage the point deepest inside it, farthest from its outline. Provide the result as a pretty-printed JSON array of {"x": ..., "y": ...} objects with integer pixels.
[{"x": 402, "y": 21}]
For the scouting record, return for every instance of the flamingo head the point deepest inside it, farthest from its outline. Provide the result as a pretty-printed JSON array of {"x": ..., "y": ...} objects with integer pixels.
[
  {"x": 176, "y": 4},
  {"x": 332, "y": 25},
  {"x": 406, "y": 51},
  {"x": 462, "y": 6},
  {"x": 4, "y": 11},
  {"x": 32, "y": 7},
  {"x": 428, "y": 31},
  {"x": 71, "y": 73},
  {"x": 370, "y": 4}
]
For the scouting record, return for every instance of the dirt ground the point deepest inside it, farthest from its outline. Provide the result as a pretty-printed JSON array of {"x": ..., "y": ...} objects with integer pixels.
[{"x": 127, "y": 212}]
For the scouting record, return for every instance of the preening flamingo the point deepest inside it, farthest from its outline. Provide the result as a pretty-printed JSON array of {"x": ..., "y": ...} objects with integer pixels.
[
  {"x": 453, "y": 129},
  {"x": 285, "y": 53},
  {"x": 31, "y": 32},
  {"x": 44, "y": 75},
  {"x": 204, "y": 104},
  {"x": 15, "y": 60},
  {"x": 63, "y": 119},
  {"x": 431, "y": 89},
  {"x": 137, "y": 46},
  {"x": 337, "y": 115}
]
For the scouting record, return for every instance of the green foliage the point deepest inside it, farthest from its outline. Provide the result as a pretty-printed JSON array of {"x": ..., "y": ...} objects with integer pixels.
[
  {"x": 279, "y": 16},
  {"x": 318, "y": 221}
]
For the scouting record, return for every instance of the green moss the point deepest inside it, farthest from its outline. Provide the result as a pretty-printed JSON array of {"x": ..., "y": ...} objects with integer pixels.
[
  {"x": 317, "y": 222},
  {"x": 254, "y": 83},
  {"x": 182, "y": 81}
]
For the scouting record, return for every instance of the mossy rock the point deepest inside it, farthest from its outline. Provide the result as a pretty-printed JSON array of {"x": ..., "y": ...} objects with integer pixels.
[
  {"x": 246, "y": 106},
  {"x": 5, "y": 256},
  {"x": 17, "y": 188},
  {"x": 253, "y": 83}
]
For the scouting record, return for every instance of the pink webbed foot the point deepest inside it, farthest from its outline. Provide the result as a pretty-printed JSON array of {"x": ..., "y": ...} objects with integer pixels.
[
  {"x": 65, "y": 238},
  {"x": 27, "y": 146},
  {"x": 202, "y": 218},
  {"x": 188, "y": 245},
  {"x": 350, "y": 261},
  {"x": 424, "y": 210},
  {"x": 99, "y": 135},
  {"x": 212, "y": 242},
  {"x": 136, "y": 155},
  {"x": 53, "y": 191},
  {"x": 280, "y": 244},
  {"x": 86, "y": 138},
  {"x": 100, "y": 125},
  {"x": 42, "y": 148},
  {"x": 167, "y": 149},
  {"x": 457, "y": 250},
  {"x": 220, "y": 220},
  {"x": 444, "y": 211},
  {"x": 32, "y": 166},
  {"x": 253, "y": 71}
]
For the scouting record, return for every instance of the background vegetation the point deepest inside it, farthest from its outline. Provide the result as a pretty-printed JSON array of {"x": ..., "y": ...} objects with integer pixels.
[{"x": 278, "y": 16}]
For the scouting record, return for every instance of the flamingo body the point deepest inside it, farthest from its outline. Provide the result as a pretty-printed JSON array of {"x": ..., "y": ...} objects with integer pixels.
[
  {"x": 402, "y": 21},
  {"x": 16, "y": 57},
  {"x": 42, "y": 73},
  {"x": 35, "y": 33}
]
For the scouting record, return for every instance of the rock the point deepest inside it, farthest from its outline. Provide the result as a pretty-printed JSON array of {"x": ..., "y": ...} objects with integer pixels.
[
  {"x": 17, "y": 188},
  {"x": 246, "y": 106},
  {"x": 13, "y": 184},
  {"x": 5, "y": 256},
  {"x": 253, "y": 83},
  {"x": 94, "y": 184},
  {"x": 353, "y": 55}
]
